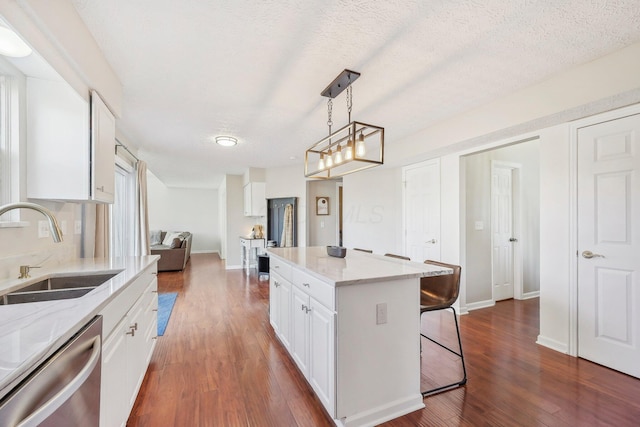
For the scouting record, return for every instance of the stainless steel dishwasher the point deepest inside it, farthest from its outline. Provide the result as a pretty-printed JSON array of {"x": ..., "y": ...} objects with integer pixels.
[{"x": 64, "y": 390}]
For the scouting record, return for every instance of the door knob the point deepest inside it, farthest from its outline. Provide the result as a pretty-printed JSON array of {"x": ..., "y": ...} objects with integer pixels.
[
  {"x": 589, "y": 255},
  {"x": 513, "y": 239}
]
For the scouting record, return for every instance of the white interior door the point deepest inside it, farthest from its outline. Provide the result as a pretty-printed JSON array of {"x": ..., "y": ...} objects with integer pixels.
[
  {"x": 422, "y": 211},
  {"x": 502, "y": 229},
  {"x": 609, "y": 244}
]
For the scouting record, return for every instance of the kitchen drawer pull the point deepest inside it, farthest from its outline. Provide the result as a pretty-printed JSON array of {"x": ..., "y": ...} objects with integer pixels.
[
  {"x": 306, "y": 284},
  {"x": 60, "y": 398}
]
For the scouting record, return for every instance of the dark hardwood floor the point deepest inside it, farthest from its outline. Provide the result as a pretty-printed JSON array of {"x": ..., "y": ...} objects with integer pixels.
[{"x": 219, "y": 364}]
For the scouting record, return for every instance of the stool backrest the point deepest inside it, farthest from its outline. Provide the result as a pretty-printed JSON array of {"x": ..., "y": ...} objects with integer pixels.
[{"x": 440, "y": 291}]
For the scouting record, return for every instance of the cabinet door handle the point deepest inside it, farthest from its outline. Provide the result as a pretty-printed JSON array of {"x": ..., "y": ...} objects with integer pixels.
[
  {"x": 134, "y": 327},
  {"x": 307, "y": 309},
  {"x": 101, "y": 188},
  {"x": 304, "y": 307},
  {"x": 276, "y": 283},
  {"x": 131, "y": 332},
  {"x": 306, "y": 284}
]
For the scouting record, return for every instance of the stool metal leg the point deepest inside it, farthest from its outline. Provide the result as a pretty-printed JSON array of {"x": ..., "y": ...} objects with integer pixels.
[{"x": 463, "y": 381}]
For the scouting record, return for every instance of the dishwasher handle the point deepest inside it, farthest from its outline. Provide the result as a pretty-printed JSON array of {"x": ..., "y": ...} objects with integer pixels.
[{"x": 44, "y": 411}]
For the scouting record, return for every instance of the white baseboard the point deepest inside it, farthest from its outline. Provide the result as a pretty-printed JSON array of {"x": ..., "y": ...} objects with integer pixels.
[
  {"x": 205, "y": 251},
  {"x": 529, "y": 295},
  {"x": 553, "y": 344},
  {"x": 233, "y": 267},
  {"x": 480, "y": 304},
  {"x": 384, "y": 413}
]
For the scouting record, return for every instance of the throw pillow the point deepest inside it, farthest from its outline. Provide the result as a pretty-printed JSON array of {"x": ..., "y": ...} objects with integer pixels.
[
  {"x": 168, "y": 238},
  {"x": 176, "y": 243},
  {"x": 154, "y": 237}
]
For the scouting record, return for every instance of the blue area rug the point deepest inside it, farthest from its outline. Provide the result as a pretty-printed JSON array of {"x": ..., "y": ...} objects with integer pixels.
[{"x": 165, "y": 306}]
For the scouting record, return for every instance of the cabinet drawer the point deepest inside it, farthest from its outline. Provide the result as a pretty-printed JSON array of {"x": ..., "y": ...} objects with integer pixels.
[
  {"x": 121, "y": 304},
  {"x": 321, "y": 291},
  {"x": 280, "y": 267}
]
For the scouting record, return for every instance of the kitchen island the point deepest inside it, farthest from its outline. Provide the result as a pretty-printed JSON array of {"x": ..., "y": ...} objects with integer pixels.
[{"x": 352, "y": 326}]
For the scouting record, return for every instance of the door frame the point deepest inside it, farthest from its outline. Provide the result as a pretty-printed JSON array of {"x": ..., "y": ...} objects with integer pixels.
[
  {"x": 516, "y": 203},
  {"x": 573, "y": 212}
]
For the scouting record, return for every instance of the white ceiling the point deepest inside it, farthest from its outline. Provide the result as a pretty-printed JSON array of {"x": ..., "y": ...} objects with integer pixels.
[{"x": 254, "y": 69}]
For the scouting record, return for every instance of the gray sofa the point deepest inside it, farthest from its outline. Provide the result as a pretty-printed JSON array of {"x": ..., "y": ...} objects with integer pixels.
[{"x": 175, "y": 254}]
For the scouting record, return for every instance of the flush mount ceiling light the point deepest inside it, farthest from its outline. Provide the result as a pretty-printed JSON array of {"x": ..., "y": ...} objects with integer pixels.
[
  {"x": 12, "y": 45},
  {"x": 226, "y": 141},
  {"x": 355, "y": 147}
]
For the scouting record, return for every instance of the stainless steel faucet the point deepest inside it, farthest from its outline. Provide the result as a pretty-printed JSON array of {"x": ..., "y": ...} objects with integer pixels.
[{"x": 56, "y": 233}]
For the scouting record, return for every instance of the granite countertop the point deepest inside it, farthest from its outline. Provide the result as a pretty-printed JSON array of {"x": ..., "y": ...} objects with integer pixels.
[
  {"x": 355, "y": 267},
  {"x": 31, "y": 332}
]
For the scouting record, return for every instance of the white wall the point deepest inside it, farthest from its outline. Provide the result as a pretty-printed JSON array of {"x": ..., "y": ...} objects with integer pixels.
[
  {"x": 478, "y": 208},
  {"x": 185, "y": 209},
  {"x": 289, "y": 181},
  {"x": 322, "y": 229},
  {"x": 237, "y": 224},
  {"x": 372, "y": 210}
]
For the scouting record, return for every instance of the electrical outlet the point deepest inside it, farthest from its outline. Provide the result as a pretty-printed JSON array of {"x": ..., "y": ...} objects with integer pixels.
[
  {"x": 43, "y": 229},
  {"x": 381, "y": 313},
  {"x": 77, "y": 227}
]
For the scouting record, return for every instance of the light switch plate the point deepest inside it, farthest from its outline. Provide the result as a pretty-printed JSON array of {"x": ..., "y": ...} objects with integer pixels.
[
  {"x": 381, "y": 313},
  {"x": 43, "y": 229}
]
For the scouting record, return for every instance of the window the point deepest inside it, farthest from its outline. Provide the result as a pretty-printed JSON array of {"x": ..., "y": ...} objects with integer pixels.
[{"x": 123, "y": 211}]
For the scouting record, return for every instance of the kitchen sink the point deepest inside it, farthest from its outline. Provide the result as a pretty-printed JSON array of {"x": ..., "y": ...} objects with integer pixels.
[{"x": 55, "y": 288}]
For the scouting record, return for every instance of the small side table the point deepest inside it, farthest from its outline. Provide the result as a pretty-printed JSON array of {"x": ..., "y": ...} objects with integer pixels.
[{"x": 249, "y": 252}]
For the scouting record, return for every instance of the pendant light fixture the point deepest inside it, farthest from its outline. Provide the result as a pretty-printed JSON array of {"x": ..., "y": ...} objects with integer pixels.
[{"x": 354, "y": 147}]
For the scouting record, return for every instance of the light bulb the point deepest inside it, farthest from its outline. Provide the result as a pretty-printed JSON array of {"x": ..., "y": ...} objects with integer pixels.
[
  {"x": 321, "y": 162},
  {"x": 329, "y": 160},
  {"x": 360, "y": 148},
  {"x": 348, "y": 151},
  {"x": 338, "y": 157}
]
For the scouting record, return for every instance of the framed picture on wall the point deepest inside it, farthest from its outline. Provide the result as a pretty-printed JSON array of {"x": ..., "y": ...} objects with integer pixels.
[{"x": 322, "y": 206}]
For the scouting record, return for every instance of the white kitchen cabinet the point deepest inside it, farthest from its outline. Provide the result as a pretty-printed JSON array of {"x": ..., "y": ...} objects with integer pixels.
[
  {"x": 103, "y": 141},
  {"x": 300, "y": 329},
  {"x": 303, "y": 317},
  {"x": 322, "y": 323},
  {"x": 280, "y": 307},
  {"x": 255, "y": 202},
  {"x": 70, "y": 144},
  {"x": 127, "y": 347}
]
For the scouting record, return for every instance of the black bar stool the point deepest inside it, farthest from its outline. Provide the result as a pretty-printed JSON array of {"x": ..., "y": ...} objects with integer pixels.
[{"x": 439, "y": 293}]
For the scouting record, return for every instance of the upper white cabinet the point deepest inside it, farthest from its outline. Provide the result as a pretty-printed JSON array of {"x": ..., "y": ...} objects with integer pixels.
[
  {"x": 103, "y": 141},
  {"x": 70, "y": 144},
  {"x": 255, "y": 202}
]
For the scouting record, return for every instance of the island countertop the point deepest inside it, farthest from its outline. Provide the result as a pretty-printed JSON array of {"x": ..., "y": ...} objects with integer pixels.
[
  {"x": 31, "y": 332},
  {"x": 355, "y": 267}
]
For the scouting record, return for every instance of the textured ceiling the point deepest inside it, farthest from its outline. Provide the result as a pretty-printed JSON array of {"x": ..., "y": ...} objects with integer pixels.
[{"x": 254, "y": 69}]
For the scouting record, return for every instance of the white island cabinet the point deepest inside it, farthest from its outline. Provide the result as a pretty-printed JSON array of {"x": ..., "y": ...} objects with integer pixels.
[{"x": 352, "y": 327}]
